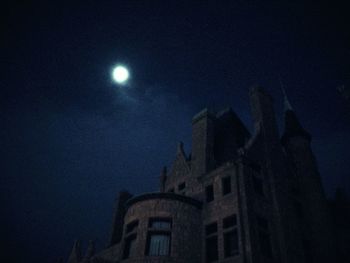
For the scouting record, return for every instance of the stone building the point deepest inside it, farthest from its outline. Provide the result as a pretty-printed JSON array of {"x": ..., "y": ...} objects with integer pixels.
[{"x": 236, "y": 198}]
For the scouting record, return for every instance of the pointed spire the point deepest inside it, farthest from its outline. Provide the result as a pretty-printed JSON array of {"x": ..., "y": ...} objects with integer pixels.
[
  {"x": 180, "y": 148},
  {"x": 90, "y": 250},
  {"x": 287, "y": 105},
  {"x": 292, "y": 126},
  {"x": 75, "y": 255},
  {"x": 163, "y": 178}
]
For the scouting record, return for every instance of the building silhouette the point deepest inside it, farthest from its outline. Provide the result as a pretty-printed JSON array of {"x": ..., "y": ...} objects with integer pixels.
[{"x": 236, "y": 198}]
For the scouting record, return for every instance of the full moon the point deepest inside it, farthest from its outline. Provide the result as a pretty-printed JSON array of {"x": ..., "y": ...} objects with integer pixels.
[{"x": 120, "y": 74}]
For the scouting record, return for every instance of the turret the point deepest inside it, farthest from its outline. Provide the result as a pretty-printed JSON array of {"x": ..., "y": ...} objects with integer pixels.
[
  {"x": 315, "y": 216},
  {"x": 273, "y": 162}
]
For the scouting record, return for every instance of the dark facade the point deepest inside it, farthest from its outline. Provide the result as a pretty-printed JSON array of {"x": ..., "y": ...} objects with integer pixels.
[{"x": 236, "y": 198}]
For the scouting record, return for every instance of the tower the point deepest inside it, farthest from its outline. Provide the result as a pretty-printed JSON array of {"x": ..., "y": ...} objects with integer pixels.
[{"x": 313, "y": 209}]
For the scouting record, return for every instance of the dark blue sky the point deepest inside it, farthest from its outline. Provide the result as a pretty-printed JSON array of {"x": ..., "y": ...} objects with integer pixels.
[{"x": 71, "y": 138}]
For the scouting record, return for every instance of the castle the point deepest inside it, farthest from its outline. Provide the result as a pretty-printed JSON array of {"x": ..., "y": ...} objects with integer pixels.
[{"x": 236, "y": 198}]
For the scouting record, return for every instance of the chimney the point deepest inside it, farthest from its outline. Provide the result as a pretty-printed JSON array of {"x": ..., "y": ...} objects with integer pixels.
[{"x": 202, "y": 142}]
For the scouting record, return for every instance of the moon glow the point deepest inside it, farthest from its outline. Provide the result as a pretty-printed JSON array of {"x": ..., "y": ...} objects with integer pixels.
[{"x": 120, "y": 74}]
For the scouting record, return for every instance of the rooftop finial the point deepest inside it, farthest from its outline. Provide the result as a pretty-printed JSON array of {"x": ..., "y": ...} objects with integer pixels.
[
  {"x": 287, "y": 105},
  {"x": 75, "y": 255},
  {"x": 90, "y": 250},
  {"x": 180, "y": 148}
]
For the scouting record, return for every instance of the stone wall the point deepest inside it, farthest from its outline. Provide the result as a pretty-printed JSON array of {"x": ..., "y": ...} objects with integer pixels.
[{"x": 185, "y": 245}]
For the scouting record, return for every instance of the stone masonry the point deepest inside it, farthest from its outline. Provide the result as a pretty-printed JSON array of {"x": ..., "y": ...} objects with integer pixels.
[{"x": 238, "y": 197}]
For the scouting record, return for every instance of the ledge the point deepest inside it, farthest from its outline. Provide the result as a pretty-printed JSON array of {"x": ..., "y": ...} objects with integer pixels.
[
  {"x": 202, "y": 114},
  {"x": 171, "y": 196}
]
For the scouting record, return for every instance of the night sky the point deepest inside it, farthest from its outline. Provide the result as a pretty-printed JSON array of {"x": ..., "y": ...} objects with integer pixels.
[{"x": 71, "y": 138}]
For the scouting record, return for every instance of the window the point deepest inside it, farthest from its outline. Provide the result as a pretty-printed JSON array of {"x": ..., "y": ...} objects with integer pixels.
[
  {"x": 226, "y": 185},
  {"x": 171, "y": 190},
  {"x": 209, "y": 193},
  {"x": 230, "y": 232},
  {"x": 230, "y": 221},
  {"x": 181, "y": 186},
  {"x": 211, "y": 242},
  {"x": 160, "y": 223},
  {"x": 158, "y": 244},
  {"x": 159, "y": 237},
  {"x": 130, "y": 240},
  {"x": 258, "y": 185},
  {"x": 132, "y": 226},
  {"x": 231, "y": 243},
  {"x": 129, "y": 248},
  {"x": 211, "y": 229}
]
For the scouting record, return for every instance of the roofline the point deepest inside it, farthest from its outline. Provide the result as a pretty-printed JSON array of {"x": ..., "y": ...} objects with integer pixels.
[{"x": 169, "y": 196}]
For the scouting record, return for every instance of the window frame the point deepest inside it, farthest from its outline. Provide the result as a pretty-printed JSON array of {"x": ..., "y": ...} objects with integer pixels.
[
  {"x": 209, "y": 236},
  {"x": 159, "y": 230},
  {"x": 153, "y": 233},
  {"x": 131, "y": 227},
  {"x": 227, "y": 250},
  {"x": 225, "y": 184},
  {"x": 127, "y": 245},
  {"x": 181, "y": 186},
  {"x": 230, "y": 226},
  {"x": 212, "y": 197}
]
